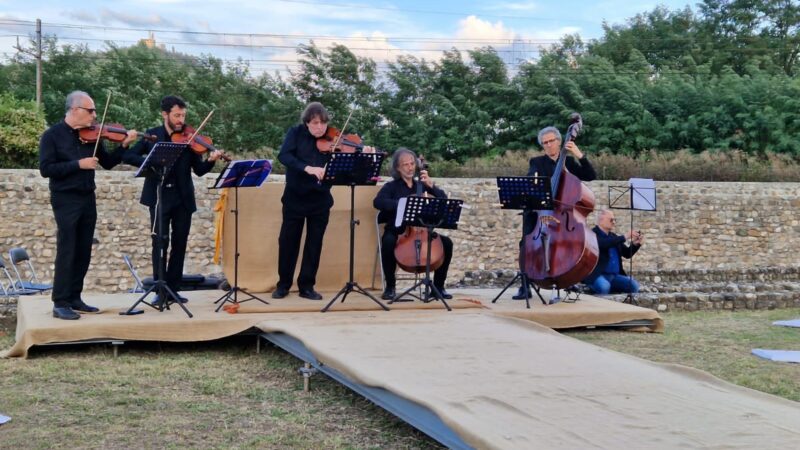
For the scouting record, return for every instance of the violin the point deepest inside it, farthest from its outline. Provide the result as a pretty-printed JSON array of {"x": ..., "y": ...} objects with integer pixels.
[
  {"x": 113, "y": 132},
  {"x": 200, "y": 144},
  {"x": 411, "y": 250},
  {"x": 334, "y": 141}
]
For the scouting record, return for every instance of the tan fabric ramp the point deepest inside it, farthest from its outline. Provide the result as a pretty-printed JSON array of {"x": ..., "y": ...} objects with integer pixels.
[
  {"x": 506, "y": 383},
  {"x": 260, "y": 221}
]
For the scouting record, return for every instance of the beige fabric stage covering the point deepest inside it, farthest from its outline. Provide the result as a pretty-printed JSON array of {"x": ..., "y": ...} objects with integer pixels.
[
  {"x": 507, "y": 383},
  {"x": 499, "y": 382},
  {"x": 260, "y": 223}
]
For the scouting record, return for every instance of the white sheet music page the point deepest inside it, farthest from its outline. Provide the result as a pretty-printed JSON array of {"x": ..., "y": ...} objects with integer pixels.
[
  {"x": 643, "y": 194},
  {"x": 401, "y": 209}
]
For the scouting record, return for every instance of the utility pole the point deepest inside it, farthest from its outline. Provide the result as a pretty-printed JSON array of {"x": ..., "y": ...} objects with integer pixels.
[{"x": 37, "y": 54}]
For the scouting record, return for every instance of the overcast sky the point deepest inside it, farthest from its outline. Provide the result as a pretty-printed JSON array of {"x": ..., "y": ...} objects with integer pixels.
[{"x": 265, "y": 32}]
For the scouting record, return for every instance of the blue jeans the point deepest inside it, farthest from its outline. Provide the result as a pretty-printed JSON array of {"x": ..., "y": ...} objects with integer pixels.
[{"x": 606, "y": 284}]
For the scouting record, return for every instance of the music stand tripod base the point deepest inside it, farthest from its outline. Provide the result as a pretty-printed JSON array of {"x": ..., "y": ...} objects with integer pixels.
[
  {"x": 353, "y": 169},
  {"x": 246, "y": 173},
  {"x": 159, "y": 161}
]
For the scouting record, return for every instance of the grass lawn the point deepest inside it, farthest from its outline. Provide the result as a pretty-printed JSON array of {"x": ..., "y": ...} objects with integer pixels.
[{"x": 222, "y": 394}]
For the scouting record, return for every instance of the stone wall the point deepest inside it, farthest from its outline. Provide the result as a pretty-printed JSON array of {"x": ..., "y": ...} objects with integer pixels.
[{"x": 700, "y": 230}]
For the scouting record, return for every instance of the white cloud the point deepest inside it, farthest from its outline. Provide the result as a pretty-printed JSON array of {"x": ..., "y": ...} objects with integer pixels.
[{"x": 475, "y": 28}]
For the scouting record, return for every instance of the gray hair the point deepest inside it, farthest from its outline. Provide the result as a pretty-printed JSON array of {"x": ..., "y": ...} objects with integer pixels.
[
  {"x": 602, "y": 213},
  {"x": 546, "y": 130},
  {"x": 396, "y": 160},
  {"x": 73, "y": 98}
]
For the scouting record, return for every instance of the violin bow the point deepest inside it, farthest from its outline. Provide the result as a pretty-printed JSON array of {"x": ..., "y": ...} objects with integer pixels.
[
  {"x": 102, "y": 123},
  {"x": 341, "y": 132},
  {"x": 202, "y": 124}
]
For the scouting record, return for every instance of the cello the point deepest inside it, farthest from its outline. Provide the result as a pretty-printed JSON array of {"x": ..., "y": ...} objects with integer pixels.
[
  {"x": 411, "y": 250},
  {"x": 562, "y": 249}
]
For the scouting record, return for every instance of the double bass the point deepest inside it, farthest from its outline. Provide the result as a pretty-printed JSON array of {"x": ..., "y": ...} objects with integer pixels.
[
  {"x": 411, "y": 250},
  {"x": 562, "y": 249}
]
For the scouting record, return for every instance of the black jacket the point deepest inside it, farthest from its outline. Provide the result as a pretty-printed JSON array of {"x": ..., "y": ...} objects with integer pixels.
[
  {"x": 544, "y": 166},
  {"x": 303, "y": 192},
  {"x": 180, "y": 175},
  {"x": 59, "y": 152},
  {"x": 391, "y": 193},
  {"x": 604, "y": 243}
]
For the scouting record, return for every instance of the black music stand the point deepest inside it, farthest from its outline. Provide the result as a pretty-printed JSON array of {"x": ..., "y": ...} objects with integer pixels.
[
  {"x": 159, "y": 162},
  {"x": 638, "y": 195},
  {"x": 246, "y": 173},
  {"x": 428, "y": 212},
  {"x": 528, "y": 194},
  {"x": 353, "y": 169}
]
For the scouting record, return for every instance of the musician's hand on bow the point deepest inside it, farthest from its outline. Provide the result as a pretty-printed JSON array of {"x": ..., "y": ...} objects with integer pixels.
[
  {"x": 88, "y": 163},
  {"x": 368, "y": 149},
  {"x": 317, "y": 172},
  {"x": 574, "y": 150},
  {"x": 637, "y": 238},
  {"x": 547, "y": 220}
]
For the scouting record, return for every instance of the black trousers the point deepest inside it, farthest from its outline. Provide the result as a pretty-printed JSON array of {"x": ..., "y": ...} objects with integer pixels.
[
  {"x": 388, "y": 242},
  {"x": 177, "y": 223},
  {"x": 76, "y": 216},
  {"x": 289, "y": 246}
]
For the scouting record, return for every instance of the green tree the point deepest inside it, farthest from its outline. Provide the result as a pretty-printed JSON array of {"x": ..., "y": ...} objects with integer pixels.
[{"x": 21, "y": 125}]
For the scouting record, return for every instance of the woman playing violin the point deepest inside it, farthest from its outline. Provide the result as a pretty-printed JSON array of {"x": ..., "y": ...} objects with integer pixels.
[
  {"x": 178, "y": 201},
  {"x": 403, "y": 170},
  {"x": 70, "y": 163}
]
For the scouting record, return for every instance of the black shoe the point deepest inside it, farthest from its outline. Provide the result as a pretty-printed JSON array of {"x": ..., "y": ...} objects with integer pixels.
[
  {"x": 81, "y": 307},
  {"x": 157, "y": 301},
  {"x": 181, "y": 298},
  {"x": 388, "y": 294},
  {"x": 520, "y": 295},
  {"x": 280, "y": 292},
  {"x": 445, "y": 295},
  {"x": 65, "y": 313},
  {"x": 310, "y": 294}
]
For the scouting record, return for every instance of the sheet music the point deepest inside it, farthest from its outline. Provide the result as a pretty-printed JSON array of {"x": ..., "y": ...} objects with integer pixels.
[
  {"x": 643, "y": 194},
  {"x": 401, "y": 210}
]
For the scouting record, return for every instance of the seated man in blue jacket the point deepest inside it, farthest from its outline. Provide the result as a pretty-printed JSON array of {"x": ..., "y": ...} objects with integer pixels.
[{"x": 609, "y": 276}]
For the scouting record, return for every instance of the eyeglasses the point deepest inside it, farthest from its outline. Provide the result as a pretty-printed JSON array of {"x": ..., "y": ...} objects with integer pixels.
[
  {"x": 89, "y": 110},
  {"x": 549, "y": 141},
  {"x": 613, "y": 220}
]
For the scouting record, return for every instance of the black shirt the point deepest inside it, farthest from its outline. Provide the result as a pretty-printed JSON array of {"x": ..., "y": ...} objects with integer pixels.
[
  {"x": 391, "y": 193},
  {"x": 59, "y": 152},
  {"x": 179, "y": 176},
  {"x": 544, "y": 166},
  {"x": 303, "y": 192}
]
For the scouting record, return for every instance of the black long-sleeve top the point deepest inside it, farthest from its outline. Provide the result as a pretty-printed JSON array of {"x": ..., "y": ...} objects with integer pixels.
[
  {"x": 180, "y": 175},
  {"x": 303, "y": 192},
  {"x": 544, "y": 166},
  {"x": 391, "y": 193},
  {"x": 59, "y": 152}
]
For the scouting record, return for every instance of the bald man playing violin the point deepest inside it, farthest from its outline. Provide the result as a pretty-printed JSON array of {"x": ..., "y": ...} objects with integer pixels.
[
  {"x": 70, "y": 163},
  {"x": 178, "y": 201},
  {"x": 306, "y": 202}
]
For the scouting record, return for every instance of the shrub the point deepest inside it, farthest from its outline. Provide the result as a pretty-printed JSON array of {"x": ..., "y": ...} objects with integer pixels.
[{"x": 21, "y": 125}]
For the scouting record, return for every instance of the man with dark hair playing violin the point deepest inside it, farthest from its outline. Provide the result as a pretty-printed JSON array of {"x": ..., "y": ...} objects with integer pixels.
[
  {"x": 177, "y": 202},
  {"x": 404, "y": 184},
  {"x": 70, "y": 163},
  {"x": 544, "y": 166}
]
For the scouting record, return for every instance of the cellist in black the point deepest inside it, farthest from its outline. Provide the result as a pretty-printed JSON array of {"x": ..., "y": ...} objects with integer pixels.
[
  {"x": 403, "y": 184},
  {"x": 544, "y": 166}
]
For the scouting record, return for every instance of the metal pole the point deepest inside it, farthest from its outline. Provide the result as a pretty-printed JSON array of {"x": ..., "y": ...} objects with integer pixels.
[{"x": 39, "y": 63}]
